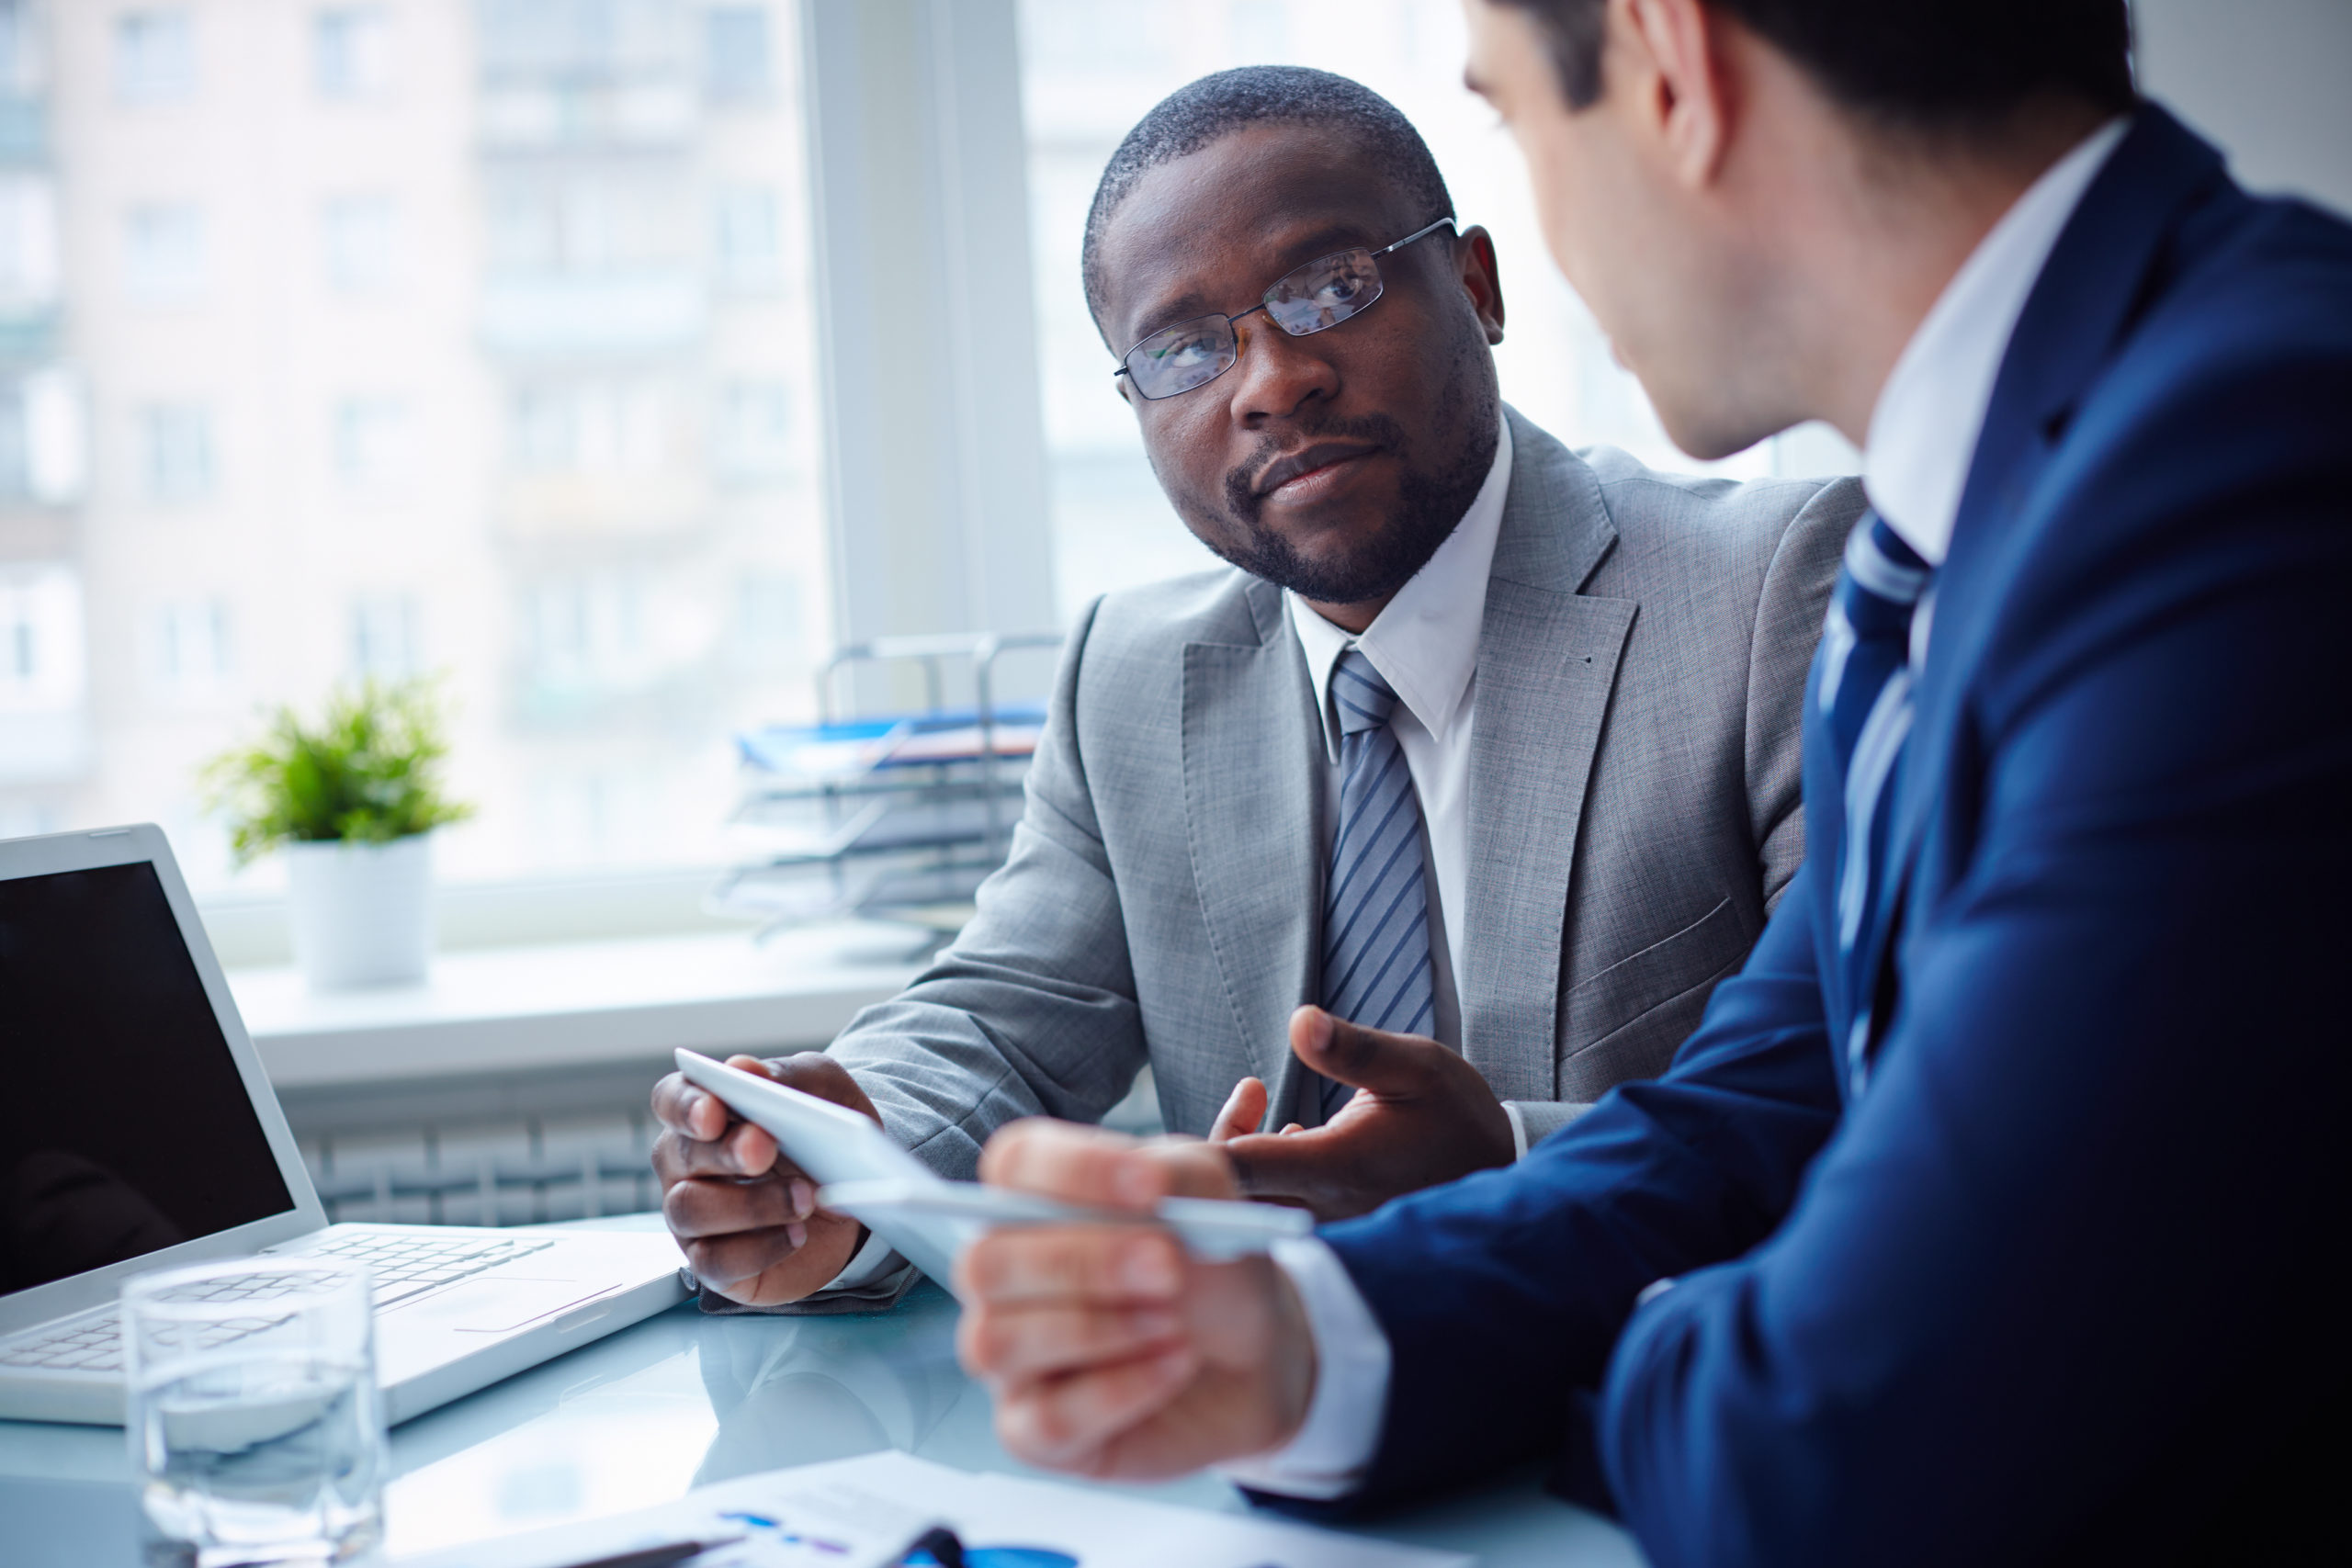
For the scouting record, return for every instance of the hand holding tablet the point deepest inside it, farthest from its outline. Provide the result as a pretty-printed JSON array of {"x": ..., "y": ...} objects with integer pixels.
[{"x": 929, "y": 1220}]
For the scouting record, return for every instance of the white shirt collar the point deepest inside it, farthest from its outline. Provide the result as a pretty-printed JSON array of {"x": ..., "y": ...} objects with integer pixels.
[
  {"x": 1924, "y": 427},
  {"x": 1425, "y": 643}
]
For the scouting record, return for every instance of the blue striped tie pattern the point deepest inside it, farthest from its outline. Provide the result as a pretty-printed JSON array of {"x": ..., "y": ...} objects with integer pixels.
[
  {"x": 1865, "y": 697},
  {"x": 1375, "y": 904}
]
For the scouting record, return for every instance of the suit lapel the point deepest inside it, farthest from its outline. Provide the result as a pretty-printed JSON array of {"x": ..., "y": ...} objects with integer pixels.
[
  {"x": 1253, "y": 803},
  {"x": 1547, "y": 663},
  {"x": 2090, "y": 290}
]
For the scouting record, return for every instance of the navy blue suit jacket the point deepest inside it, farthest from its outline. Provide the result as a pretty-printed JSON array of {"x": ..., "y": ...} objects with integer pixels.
[{"x": 2053, "y": 1287}]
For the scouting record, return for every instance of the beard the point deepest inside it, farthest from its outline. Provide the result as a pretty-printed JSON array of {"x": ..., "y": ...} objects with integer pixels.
[{"x": 1431, "y": 495}]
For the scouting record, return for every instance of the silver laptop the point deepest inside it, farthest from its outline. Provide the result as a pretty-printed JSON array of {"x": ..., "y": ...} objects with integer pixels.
[{"x": 137, "y": 1132}]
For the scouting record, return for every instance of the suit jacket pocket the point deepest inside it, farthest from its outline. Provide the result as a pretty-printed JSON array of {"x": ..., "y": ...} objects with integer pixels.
[{"x": 1597, "y": 1008}]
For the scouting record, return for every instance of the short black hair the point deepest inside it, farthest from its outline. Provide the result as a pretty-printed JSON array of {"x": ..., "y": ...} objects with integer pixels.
[
  {"x": 1932, "y": 65},
  {"x": 1201, "y": 112}
]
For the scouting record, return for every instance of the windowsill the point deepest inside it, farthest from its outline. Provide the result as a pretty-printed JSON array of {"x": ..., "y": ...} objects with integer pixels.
[{"x": 574, "y": 1005}]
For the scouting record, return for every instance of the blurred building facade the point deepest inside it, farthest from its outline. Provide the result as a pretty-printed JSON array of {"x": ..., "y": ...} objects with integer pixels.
[{"x": 391, "y": 337}]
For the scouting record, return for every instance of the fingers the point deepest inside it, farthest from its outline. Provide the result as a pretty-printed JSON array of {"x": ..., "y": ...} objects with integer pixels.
[
  {"x": 745, "y": 1152},
  {"x": 1021, "y": 1344},
  {"x": 1393, "y": 1064},
  {"x": 1244, "y": 1109},
  {"x": 1075, "y": 1164},
  {"x": 695, "y": 1209},
  {"x": 813, "y": 1072},
  {"x": 1086, "y": 1265},
  {"x": 684, "y": 1108},
  {"x": 1068, "y": 1423}
]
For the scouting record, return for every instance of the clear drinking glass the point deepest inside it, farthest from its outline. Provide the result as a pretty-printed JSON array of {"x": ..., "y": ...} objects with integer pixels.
[{"x": 256, "y": 1430}]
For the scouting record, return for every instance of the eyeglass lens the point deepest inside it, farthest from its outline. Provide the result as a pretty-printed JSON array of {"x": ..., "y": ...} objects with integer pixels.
[{"x": 1307, "y": 299}]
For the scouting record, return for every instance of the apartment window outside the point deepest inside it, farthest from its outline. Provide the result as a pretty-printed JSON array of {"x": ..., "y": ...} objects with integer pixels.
[
  {"x": 176, "y": 442},
  {"x": 351, "y": 51},
  {"x": 154, "y": 56},
  {"x": 1091, "y": 71},
  {"x": 164, "y": 252},
  {"x": 746, "y": 239},
  {"x": 193, "y": 653},
  {"x": 385, "y": 644},
  {"x": 362, "y": 236},
  {"x": 371, "y": 443},
  {"x": 29, "y": 278},
  {"x": 735, "y": 53},
  {"x": 755, "y": 431},
  {"x": 442, "y": 395}
]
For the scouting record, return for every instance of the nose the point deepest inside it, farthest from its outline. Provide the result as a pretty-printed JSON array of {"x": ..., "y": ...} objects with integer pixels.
[{"x": 1277, "y": 373}]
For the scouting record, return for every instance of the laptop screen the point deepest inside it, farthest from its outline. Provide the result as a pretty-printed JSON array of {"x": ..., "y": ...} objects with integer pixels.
[{"x": 124, "y": 1125}]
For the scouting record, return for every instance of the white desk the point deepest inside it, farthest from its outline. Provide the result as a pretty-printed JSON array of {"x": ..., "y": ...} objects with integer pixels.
[{"x": 682, "y": 1399}]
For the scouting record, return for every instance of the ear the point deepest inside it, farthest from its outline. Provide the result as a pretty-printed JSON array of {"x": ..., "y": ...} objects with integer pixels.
[
  {"x": 1669, "y": 75},
  {"x": 1474, "y": 255}
]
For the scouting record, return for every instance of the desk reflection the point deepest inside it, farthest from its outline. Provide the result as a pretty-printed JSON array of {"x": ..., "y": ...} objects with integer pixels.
[{"x": 797, "y": 1389}]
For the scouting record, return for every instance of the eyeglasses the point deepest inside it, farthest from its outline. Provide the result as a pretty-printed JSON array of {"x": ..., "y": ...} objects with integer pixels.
[{"x": 1307, "y": 299}]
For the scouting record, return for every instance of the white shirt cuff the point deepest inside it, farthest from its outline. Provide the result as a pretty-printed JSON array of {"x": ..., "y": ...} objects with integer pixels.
[
  {"x": 872, "y": 1261},
  {"x": 1335, "y": 1444},
  {"x": 1517, "y": 1129}
]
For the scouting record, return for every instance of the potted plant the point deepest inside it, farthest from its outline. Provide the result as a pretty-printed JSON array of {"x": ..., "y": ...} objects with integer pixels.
[{"x": 353, "y": 801}]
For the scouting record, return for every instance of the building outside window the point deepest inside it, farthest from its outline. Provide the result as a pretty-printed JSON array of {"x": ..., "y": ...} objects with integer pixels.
[
  {"x": 164, "y": 252},
  {"x": 371, "y": 443},
  {"x": 735, "y": 53},
  {"x": 755, "y": 431},
  {"x": 746, "y": 240},
  {"x": 351, "y": 51},
  {"x": 154, "y": 55},
  {"x": 175, "y": 441},
  {"x": 385, "y": 641},
  {"x": 505, "y": 471},
  {"x": 362, "y": 241},
  {"x": 193, "y": 653}
]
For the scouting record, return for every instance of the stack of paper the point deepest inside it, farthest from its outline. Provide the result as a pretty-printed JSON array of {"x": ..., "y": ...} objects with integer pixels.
[{"x": 864, "y": 1512}]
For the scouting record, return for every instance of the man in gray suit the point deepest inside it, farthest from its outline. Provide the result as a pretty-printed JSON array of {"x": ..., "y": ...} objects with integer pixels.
[{"x": 1482, "y": 741}]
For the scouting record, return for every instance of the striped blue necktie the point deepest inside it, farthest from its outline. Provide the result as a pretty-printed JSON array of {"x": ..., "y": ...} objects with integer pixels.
[
  {"x": 1375, "y": 905},
  {"x": 1865, "y": 697}
]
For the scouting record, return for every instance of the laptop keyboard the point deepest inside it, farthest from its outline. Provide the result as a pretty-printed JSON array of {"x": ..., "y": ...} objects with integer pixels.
[{"x": 400, "y": 1266}]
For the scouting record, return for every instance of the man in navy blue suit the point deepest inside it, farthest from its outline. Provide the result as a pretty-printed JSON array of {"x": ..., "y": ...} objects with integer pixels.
[{"x": 1988, "y": 1215}]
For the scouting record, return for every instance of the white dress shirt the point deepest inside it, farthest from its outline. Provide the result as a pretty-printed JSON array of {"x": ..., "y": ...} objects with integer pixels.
[
  {"x": 1923, "y": 435},
  {"x": 1425, "y": 645}
]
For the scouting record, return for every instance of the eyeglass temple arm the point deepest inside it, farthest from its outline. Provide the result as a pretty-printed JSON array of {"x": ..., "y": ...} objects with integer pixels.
[{"x": 1445, "y": 222}]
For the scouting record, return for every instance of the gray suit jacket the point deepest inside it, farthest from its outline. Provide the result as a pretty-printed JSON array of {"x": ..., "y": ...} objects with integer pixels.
[{"x": 1633, "y": 815}]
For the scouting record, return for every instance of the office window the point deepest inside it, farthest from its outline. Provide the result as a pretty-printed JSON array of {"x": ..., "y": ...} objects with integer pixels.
[
  {"x": 744, "y": 239},
  {"x": 592, "y": 427},
  {"x": 735, "y": 53},
  {"x": 768, "y": 624},
  {"x": 496, "y": 456},
  {"x": 154, "y": 55},
  {"x": 164, "y": 252},
  {"x": 193, "y": 652},
  {"x": 16, "y": 447},
  {"x": 1090, "y": 72},
  {"x": 29, "y": 277},
  {"x": 175, "y": 442},
  {"x": 371, "y": 443},
  {"x": 351, "y": 51},
  {"x": 384, "y": 637},
  {"x": 362, "y": 242},
  {"x": 755, "y": 430},
  {"x": 20, "y": 55}
]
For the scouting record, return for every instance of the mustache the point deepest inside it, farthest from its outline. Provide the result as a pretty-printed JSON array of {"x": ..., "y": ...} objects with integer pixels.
[{"x": 1241, "y": 497}]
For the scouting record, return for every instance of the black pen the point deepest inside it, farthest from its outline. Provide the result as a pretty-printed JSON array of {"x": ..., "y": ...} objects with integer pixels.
[{"x": 658, "y": 1556}]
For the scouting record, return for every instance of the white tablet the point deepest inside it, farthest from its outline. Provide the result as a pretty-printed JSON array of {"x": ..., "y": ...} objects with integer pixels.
[{"x": 834, "y": 1143}]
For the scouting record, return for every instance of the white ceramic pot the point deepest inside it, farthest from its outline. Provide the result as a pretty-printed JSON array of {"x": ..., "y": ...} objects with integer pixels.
[{"x": 362, "y": 913}]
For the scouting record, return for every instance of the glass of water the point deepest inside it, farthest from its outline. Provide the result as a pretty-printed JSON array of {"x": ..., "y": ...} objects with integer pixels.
[{"x": 256, "y": 1432}]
